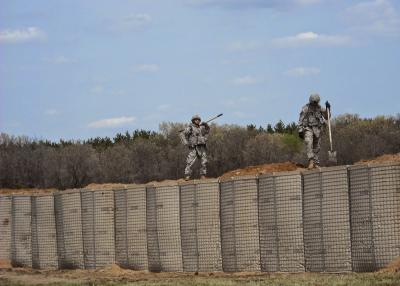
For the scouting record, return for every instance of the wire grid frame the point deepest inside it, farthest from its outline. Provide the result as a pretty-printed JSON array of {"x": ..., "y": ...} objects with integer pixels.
[
  {"x": 69, "y": 229},
  {"x": 168, "y": 227},
  {"x": 385, "y": 206},
  {"x": 326, "y": 220},
  {"x": 98, "y": 228},
  {"x": 200, "y": 227},
  {"x": 239, "y": 224},
  {"x": 280, "y": 220},
  {"x": 44, "y": 237},
  {"x": 5, "y": 227},
  {"x": 130, "y": 228},
  {"x": 21, "y": 248},
  {"x": 153, "y": 247}
]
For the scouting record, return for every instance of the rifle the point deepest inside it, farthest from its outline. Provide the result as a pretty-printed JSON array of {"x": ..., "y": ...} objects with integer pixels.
[{"x": 208, "y": 121}]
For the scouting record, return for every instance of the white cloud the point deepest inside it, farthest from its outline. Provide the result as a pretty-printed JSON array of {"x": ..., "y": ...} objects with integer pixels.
[
  {"x": 22, "y": 35},
  {"x": 379, "y": 17},
  {"x": 246, "y": 80},
  {"x": 251, "y": 4},
  {"x": 303, "y": 71},
  {"x": 163, "y": 107},
  {"x": 60, "y": 60},
  {"x": 312, "y": 39},
  {"x": 147, "y": 68},
  {"x": 131, "y": 22},
  {"x": 97, "y": 89},
  {"x": 112, "y": 122},
  {"x": 51, "y": 112}
]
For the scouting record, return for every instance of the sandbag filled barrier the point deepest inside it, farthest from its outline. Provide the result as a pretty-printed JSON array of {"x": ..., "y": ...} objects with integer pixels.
[
  {"x": 326, "y": 220},
  {"x": 280, "y": 220},
  {"x": 130, "y": 228},
  {"x": 200, "y": 226},
  {"x": 5, "y": 228},
  {"x": 239, "y": 225},
  {"x": 163, "y": 228},
  {"x": 21, "y": 232},
  {"x": 98, "y": 228},
  {"x": 69, "y": 229},
  {"x": 375, "y": 221},
  {"x": 44, "y": 238}
]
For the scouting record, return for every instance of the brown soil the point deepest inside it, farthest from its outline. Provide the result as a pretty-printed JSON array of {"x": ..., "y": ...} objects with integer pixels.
[
  {"x": 26, "y": 191},
  {"x": 108, "y": 186},
  {"x": 5, "y": 264},
  {"x": 392, "y": 267},
  {"x": 263, "y": 169},
  {"x": 381, "y": 159}
]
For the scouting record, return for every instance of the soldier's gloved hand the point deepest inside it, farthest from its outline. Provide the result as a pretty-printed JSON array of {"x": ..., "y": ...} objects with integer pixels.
[
  {"x": 205, "y": 125},
  {"x": 301, "y": 132},
  {"x": 328, "y": 105}
]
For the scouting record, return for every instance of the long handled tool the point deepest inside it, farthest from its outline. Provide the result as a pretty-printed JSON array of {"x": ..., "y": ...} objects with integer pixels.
[
  {"x": 331, "y": 154},
  {"x": 208, "y": 121}
]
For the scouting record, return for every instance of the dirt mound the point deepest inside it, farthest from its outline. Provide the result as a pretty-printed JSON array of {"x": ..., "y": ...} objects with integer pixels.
[
  {"x": 5, "y": 264},
  {"x": 392, "y": 267},
  {"x": 107, "y": 186},
  {"x": 26, "y": 191},
  {"x": 381, "y": 159},
  {"x": 263, "y": 169}
]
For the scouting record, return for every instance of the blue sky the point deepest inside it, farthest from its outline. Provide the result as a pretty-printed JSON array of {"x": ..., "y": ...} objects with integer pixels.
[{"x": 79, "y": 69}]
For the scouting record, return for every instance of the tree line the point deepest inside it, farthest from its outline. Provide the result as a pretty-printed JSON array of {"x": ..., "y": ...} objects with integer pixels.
[{"x": 142, "y": 156}]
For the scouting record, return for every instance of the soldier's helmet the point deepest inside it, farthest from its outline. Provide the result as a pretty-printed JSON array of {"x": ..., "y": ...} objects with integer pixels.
[
  {"x": 196, "y": 116},
  {"x": 314, "y": 98}
]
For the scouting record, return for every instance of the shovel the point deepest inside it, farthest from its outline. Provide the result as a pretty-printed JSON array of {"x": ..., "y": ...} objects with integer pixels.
[{"x": 331, "y": 154}]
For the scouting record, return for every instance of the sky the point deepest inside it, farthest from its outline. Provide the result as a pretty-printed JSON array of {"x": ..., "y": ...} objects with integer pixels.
[{"x": 72, "y": 69}]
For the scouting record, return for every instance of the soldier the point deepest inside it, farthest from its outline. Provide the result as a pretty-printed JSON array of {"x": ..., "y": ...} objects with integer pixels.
[
  {"x": 195, "y": 137},
  {"x": 312, "y": 119}
]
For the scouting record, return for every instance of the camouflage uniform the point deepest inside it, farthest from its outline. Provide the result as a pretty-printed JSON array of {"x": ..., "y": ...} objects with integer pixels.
[
  {"x": 195, "y": 137},
  {"x": 311, "y": 121}
]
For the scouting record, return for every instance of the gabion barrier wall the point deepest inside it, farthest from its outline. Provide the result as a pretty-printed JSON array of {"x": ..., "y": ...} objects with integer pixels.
[
  {"x": 98, "y": 228},
  {"x": 21, "y": 246},
  {"x": 326, "y": 220},
  {"x": 280, "y": 219},
  {"x": 44, "y": 238},
  {"x": 130, "y": 228},
  {"x": 375, "y": 211},
  {"x": 200, "y": 227},
  {"x": 239, "y": 225},
  {"x": 163, "y": 223},
  {"x": 5, "y": 228},
  {"x": 69, "y": 229}
]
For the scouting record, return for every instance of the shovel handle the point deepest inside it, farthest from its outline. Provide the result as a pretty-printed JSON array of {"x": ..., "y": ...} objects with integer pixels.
[{"x": 329, "y": 127}]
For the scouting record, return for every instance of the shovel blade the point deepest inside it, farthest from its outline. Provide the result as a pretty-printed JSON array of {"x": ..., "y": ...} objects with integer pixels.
[{"x": 332, "y": 157}]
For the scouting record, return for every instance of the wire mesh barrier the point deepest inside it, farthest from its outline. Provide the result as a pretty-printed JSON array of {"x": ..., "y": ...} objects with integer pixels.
[
  {"x": 163, "y": 228},
  {"x": 69, "y": 229},
  {"x": 200, "y": 228},
  {"x": 334, "y": 219},
  {"x": 98, "y": 228},
  {"x": 239, "y": 225},
  {"x": 326, "y": 220},
  {"x": 130, "y": 228},
  {"x": 5, "y": 228},
  {"x": 21, "y": 246},
  {"x": 375, "y": 208},
  {"x": 280, "y": 219},
  {"x": 44, "y": 238}
]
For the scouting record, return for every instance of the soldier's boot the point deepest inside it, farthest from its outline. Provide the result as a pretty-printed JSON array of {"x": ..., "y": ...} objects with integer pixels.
[
  {"x": 187, "y": 178},
  {"x": 202, "y": 177},
  {"x": 311, "y": 164}
]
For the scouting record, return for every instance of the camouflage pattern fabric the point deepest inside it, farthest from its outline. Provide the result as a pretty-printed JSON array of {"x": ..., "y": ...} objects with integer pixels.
[{"x": 198, "y": 152}]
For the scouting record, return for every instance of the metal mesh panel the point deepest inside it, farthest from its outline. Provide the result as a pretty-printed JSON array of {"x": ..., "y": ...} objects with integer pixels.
[
  {"x": 326, "y": 220},
  {"x": 44, "y": 238},
  {"x": 153, "y": 248},
  {"x": 280, "y": 215},
  {"x": 130, "y": 228},
  {"x": 5, "y": 228},
  {"x": 168, "y": 227},
  {"x": 21, "y": 249},
  {"x": 98, "y": 228},
  {"x": 385, "y": 205},
  {"x": 239, "y": 225},
  {"x": 69, "y": 229},
  {"x": 201, "y": 242},
  {"x": 362, "y": 245}
]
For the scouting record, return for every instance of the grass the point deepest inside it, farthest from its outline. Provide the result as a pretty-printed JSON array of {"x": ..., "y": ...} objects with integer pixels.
[{"x": 353, "y": 279}]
